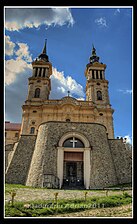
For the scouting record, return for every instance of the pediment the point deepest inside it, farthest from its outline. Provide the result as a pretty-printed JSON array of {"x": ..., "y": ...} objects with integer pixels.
[{"x": 68, "y": 100}]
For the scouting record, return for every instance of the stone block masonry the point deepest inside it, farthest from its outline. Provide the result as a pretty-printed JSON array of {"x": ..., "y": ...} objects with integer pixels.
[
  {"x": 36, "y": 157},
  {"x": 122, "y": 159},
  {"x": 44, "y": 160},
  {"x": 19, "y": 166}
]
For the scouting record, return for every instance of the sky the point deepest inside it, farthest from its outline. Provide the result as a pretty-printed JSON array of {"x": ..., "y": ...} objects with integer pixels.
[{"x": 70, "y": 33}]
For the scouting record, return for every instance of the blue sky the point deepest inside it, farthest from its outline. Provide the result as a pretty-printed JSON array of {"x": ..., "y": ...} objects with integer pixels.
[{"x": 70, "y": 33}]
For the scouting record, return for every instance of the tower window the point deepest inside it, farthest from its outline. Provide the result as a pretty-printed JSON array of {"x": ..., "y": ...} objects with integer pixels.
[
  {"x": 37, "y": 93},
  {"x": 93, "y": 74},
  {"x": 32, "y": 130},
  {"x": 99, "y": 95},
  {"x": 100, "y": 74},
  {"x": 40, "y": 69},
  {"x": 96, "y": 74},
  {"x": 43, "y": 72},
  {"x": 36, "y": 72}
]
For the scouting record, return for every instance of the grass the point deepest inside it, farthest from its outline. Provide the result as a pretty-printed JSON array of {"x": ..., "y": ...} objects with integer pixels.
[
  {"x": 10, "y": 187},
  {"x": 46, "y": 208}
]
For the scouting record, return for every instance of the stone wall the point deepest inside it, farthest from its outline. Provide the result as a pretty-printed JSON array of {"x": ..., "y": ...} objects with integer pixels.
[
  {"x": 34, "y": 158},
  {"x": 36, "y": 173},
  {"x": 44, "y": 159},
  {"x": 8, "y": 153},
  {"x": 18, "y": 169},
  {"x": 122, "y": 158}
]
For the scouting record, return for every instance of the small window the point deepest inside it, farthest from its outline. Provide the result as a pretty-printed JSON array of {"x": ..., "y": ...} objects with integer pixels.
[
  {"x": 32, "y": 130},
  {"x": 33, "y": 122},
  {"x": 16, "y": 134},
  {"x": 99, "y": 95},
  {"x": 101, "y": 114},
  {"x": 98, "y": 83},
  {"x": 34, "y": 111},
  {"x": 67, "y": 120},
  {"x": 37, "y": 93}
]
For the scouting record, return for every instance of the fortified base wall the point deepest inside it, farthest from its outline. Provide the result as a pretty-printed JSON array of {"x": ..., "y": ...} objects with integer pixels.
[
  {"x": 103, "y": 169},
  {"x": 34, "y": 157},
  {"x": 122, "y": 159},
  {"x": 19, "y": 166}
]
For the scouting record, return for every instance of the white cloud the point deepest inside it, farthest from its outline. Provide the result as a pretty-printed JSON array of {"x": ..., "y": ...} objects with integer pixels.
[
  {"x": 61, "y": 85},
  {"x": 128, "y": 139},
  {"x": 14, "y": 68},
  {"x": 126, "y": 91},
  {"x": 23, "y": 52},
  {"x": 117, "y": 11},
  {"x": 101, "y": 22},
  {"x": 19, "y": 18},
  {"x": 9, "y": 46}
]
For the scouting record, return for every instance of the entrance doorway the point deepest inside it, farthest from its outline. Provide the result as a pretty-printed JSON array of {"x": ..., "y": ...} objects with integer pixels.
[
  {"x": 73, "y": 169},
  {"x": 74, "y": 147},
  {"x": 71, "y": 173}
]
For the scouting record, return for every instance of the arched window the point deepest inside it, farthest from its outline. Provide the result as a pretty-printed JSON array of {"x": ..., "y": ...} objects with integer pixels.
[
  {"x": 32, "y": 130},
  {"x": 67, "y": 120},
  {"x": 37, "y": 93},
  {"x": 73, "y": 143},
  {"x": 99, "y": 95}
]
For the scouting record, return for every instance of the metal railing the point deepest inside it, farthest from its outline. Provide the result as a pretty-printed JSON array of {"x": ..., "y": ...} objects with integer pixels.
[{"x": 50, "y": 181}]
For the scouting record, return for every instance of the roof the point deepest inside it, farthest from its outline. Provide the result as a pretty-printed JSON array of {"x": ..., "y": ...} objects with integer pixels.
[{"x": 12, "y": 126}]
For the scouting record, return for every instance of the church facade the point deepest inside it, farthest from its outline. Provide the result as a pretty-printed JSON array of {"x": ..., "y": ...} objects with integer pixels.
[{"x": 68, "y": 142}]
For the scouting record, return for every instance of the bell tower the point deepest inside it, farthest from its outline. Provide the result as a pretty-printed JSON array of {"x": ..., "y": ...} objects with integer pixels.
[
  {"x": 97, "y": 85},
  {"x": 97, "y": 92},
  {"x": 39, "y": 83}
]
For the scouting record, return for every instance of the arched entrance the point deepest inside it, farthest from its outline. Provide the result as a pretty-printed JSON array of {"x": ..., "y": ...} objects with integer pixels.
[{"x": 73, "y": 161}]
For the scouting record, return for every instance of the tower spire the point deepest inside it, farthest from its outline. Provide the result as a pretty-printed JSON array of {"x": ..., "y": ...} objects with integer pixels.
[
  {"x": 45, "y": 47},
  {"x": 93, "y": 57},
  {"x": 44, "y": 55},
  {"x": 93, "y": 50}
]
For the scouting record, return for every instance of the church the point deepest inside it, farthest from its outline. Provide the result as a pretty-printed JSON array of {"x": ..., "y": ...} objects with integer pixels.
[{"x": 67, "y": 143}]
